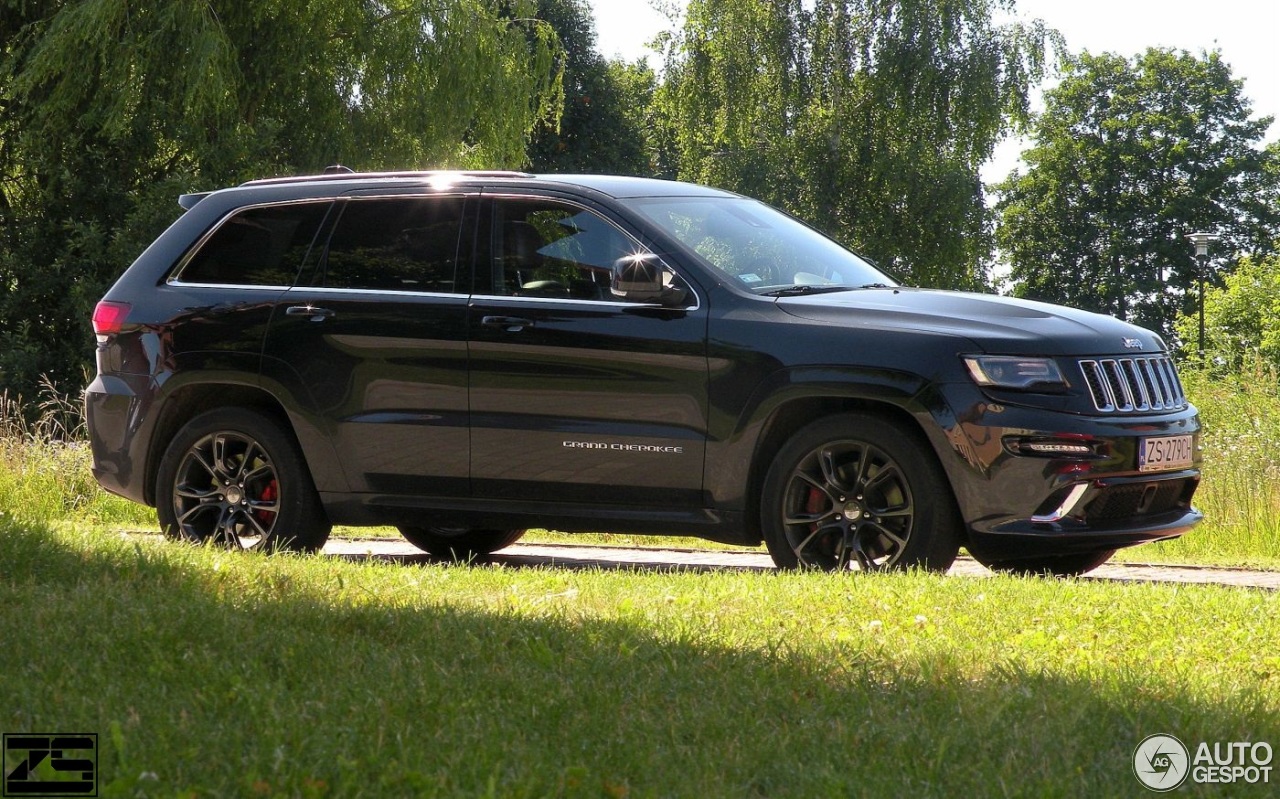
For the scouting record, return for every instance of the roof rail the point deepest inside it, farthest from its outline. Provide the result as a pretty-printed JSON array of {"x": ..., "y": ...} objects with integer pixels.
[{"x": 411, "y": 174}]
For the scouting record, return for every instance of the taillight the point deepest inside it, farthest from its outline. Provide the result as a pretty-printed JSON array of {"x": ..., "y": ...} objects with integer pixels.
[{"x": 108, "y": 317}]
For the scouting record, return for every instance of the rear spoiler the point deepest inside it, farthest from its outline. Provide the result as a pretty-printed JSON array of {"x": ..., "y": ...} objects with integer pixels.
[{"x": 188, "y": 201}]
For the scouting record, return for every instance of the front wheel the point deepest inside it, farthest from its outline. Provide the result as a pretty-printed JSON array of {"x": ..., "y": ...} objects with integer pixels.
[
  {"x": 460, "y": 543},
  {"x": 1071, "y": 565},
  {"x": 234, "y": 478},
  {"x": 859, "y": 492}
]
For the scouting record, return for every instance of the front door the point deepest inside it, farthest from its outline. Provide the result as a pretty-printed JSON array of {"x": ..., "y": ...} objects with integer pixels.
[{"x": 577, "y": 395}]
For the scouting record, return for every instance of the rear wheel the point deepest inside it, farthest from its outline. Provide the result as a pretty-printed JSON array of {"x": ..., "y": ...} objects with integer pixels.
[
  {"x": 233, "y": 478},
  {"x": 1050, "y": 565},
  {"x": 460, "y": 543},
  {"x": 859, "y": 492}
]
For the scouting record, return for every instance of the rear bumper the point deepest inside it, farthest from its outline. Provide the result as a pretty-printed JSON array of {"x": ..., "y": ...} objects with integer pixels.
[{"x": 115, "y": 409}]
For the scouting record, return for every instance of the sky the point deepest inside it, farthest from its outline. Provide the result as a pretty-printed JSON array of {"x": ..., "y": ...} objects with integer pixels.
[{"x": 1246, "y": 31}]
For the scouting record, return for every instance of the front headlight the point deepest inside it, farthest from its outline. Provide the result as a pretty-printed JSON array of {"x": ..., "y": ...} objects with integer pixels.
[{"x": 1009, "y": 371}]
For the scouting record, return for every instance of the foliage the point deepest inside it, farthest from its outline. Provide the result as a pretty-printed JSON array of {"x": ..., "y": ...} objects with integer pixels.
[
  {"x": 596, "y": 133},
  {"x": 1242, "y": 318},
  {"x": 45, "y": 475},
  {"x": 102, "y": 127},
  {"x": 868, "y": 119},
  {"x": 1129, "y": 157},
  {"x": 1240, "y": 490}
]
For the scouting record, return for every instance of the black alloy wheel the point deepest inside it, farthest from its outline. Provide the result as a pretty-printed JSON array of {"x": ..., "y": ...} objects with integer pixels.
[
  {"x": 232, "y": 478},
  {"x": 859, "y": 492}
]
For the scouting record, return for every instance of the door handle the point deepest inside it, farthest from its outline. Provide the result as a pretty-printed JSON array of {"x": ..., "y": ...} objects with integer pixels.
[
  {"x": 310, "y": 311},
  {"x": 511, "y": 324}
]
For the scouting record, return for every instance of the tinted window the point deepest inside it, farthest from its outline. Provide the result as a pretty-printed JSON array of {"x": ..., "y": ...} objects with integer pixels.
[
  {"x": 258, "y": 246},
  {"x": 546, "y": 249},
  {"x": 401, "y": 244}
]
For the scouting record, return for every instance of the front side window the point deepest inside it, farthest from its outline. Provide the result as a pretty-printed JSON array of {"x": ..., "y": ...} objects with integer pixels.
[
  {"x": 396, "y": 244},
  {"x": 543, "y": 248},
  {"x": 761, "y": 248},
  {"x": 262, "y": 246}
]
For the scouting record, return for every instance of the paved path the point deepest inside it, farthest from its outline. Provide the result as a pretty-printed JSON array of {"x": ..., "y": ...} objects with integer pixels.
[{"x": 576, "y": 556}]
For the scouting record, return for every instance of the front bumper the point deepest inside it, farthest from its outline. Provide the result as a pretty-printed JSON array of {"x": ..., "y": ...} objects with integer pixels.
[{"x": 1016, "y": 503}]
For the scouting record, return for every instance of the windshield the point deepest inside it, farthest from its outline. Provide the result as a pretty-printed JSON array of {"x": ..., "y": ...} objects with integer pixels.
[{"x": 759, "y": 247}]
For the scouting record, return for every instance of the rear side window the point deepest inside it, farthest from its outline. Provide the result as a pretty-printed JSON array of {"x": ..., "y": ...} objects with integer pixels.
[
  {"x": 262, "y": 246},
  {"x": 396, "y": 244}
]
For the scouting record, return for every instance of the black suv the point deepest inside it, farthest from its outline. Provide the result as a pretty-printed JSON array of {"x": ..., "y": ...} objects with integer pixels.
[{"x": 467, "y": 354}]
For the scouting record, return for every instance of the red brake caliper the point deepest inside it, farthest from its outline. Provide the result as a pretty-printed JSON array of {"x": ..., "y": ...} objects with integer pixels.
[
  {"x": 814, "y": 504},
  {"x": 270, "y": 492}
]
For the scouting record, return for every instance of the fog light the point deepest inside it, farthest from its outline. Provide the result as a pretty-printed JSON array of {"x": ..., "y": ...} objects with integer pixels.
[{"x": 1052, "y": 447}]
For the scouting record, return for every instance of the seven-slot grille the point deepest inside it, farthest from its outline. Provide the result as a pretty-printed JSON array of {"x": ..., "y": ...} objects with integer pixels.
[{"x": 1145, "y": 383}]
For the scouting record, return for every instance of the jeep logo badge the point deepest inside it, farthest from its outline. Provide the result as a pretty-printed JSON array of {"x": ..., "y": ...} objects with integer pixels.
[{"x": 1133, "y": 344}]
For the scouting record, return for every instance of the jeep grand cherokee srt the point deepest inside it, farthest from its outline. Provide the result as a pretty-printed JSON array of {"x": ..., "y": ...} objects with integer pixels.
[{"x": 468, "y": 354}]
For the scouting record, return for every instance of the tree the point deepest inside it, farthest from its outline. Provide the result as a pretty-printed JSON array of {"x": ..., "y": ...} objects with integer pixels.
[
  {"x": 868, "y": 119},
  {"x": 113, "y": 107},
  {"x": 1128, "y": 158},
  {"x": 595, "y": 134},
  {"x": 1242, "y": 318}
]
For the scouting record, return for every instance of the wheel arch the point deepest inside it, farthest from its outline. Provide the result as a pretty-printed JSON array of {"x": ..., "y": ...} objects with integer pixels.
[
  {"x": 188, "y": 401},
  {"x": 790, "y": 416}
]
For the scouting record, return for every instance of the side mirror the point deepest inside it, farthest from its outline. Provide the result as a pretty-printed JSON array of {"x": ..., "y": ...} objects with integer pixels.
[{"x": 644, "y": 278}]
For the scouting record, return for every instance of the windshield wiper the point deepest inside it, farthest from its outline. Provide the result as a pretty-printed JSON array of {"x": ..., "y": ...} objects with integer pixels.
[{"x": 806, "y": 288}]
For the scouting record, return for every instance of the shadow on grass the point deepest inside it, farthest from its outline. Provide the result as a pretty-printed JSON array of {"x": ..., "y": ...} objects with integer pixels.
[{"x": 205, "y": 674}]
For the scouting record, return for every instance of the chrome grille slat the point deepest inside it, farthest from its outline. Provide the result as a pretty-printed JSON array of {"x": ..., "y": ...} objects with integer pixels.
[{"x": 1137, "y": 384}]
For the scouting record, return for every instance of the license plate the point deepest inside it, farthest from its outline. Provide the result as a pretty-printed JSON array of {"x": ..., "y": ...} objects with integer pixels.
[{"x": 1165, "y": 454}]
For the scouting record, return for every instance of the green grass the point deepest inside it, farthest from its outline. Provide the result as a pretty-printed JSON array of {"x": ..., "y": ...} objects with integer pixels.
[
  {"x": 1240, "y": 489},
  {"x": 209, "y": 673}
]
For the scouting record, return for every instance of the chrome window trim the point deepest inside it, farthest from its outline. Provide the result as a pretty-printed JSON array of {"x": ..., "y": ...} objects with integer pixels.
[
  {"x": 580, "y": 301},
  {"x": 457, "y": 295},
  {"x": 238, "y": 286}
]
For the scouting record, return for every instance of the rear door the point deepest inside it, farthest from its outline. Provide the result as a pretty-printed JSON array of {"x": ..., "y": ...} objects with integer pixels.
[
  {"x": 374, "y": 349},
  {"x": 576, "y": 395}
]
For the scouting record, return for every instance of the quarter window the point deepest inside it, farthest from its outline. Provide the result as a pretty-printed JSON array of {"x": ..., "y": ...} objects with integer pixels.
[
  {"x": 262, "y": 246},
  {"x": 399, "y": 244}
]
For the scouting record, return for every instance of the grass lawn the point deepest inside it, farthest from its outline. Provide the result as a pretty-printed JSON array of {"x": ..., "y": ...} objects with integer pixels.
[{"x": 209, "y": 673}]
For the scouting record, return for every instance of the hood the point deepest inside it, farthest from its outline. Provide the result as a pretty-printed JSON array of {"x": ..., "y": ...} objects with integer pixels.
[{"x": 996, "y": 325}]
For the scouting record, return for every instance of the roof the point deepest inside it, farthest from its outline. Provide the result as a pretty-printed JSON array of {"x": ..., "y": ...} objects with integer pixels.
[{"x": 616, "y": 186}]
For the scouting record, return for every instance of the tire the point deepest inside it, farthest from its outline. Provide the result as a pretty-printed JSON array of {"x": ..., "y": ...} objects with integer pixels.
[
  {"x": 859, "y": 491},
  {"x": 460, "y": 543},
  {"x": 232, "y": 477},
  {"x": 1072, "y": 565}
]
